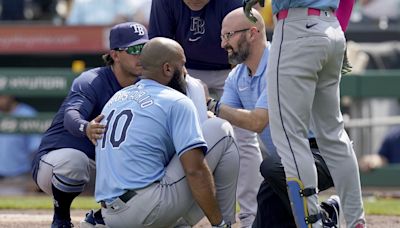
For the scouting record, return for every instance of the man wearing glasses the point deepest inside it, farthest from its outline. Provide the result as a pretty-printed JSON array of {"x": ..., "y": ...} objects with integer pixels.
[
  {"x": 244, "y": 104},
  {"x": 156, "y": 163},
  {"x": 65, "y": 159},
  {"x": 196, "y": 25}
]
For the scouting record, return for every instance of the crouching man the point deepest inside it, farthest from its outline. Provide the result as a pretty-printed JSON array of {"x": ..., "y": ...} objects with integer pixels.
[{"x": 155, "y": 163}]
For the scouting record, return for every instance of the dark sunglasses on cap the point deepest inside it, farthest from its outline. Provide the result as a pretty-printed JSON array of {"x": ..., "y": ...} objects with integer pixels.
[{"x": 132, "y": 50}]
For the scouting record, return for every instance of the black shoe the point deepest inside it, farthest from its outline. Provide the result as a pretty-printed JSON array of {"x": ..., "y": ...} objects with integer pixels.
[{"x": 93, "y": 219}]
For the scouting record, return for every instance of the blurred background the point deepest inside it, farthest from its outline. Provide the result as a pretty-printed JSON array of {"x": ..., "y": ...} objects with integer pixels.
[{"x": 45, "y": 44}]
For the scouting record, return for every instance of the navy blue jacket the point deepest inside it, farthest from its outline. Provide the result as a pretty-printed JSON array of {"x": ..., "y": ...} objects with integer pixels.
[{"x": 88, "y": 95}]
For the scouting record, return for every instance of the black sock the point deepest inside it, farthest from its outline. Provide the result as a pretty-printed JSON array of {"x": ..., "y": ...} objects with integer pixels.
[{"x": 62, "y": 203}]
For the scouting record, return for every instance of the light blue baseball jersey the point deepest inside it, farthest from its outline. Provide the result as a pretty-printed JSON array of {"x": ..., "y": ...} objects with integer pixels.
[
  {"x": 147, "y": 124},
  {"x": 278, "y": 5},
  {"x": 249, "y": 92}
]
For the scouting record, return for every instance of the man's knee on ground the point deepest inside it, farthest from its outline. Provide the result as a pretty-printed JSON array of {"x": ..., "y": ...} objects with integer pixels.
[{"x": 269, "y": 168}]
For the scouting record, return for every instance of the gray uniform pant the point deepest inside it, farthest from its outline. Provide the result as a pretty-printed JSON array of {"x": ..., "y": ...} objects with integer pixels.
[
  {"x": 163, "y": 203},
  {"x": 250, "y": 157},
  {"x": 249, "y": 175},
  {"x": 214, "y": 79},
  {"x": 303, "y": 90},
  {"x": 67, "y": 169}
]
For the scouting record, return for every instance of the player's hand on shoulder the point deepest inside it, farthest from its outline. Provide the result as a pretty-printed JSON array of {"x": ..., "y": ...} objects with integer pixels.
[{"x": 95, "y": 130}]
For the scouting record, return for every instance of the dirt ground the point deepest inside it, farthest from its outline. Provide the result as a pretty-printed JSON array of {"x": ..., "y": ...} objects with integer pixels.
[{"x": 42, "y": 218}]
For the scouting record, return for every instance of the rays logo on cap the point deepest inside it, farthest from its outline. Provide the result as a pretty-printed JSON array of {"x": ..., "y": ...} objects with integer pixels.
[
  {"x": 139, "y": 29},
  {"x": 127, "y": 34}
]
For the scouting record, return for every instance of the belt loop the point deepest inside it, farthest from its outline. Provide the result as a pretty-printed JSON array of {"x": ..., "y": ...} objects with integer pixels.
[
  {"x": 282, "y": 14},
  {"x": 313, "y": 12}
]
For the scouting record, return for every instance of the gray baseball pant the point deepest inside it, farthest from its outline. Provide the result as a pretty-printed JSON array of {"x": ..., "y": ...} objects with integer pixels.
[
  {"x": 214, "y": 79},
  {"x": 163, "y": 203},
  {"x": 68, "y": 169},
  {"x": 303, "y": 90},
  {"x": 249, "y": 175},
  {"x": 249, "y": 151}
]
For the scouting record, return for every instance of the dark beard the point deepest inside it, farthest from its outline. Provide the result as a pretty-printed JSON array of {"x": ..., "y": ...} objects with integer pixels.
[
  {"x": 242, "y": 53},
  {"x": 178, "y": 82}
]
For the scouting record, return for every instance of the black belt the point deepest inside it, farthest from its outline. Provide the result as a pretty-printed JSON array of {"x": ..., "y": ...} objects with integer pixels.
[{"x": 124, "y": 197}]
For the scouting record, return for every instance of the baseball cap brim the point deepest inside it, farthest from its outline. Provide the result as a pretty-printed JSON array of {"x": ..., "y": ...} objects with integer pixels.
[{"x": 136, "y": 42}]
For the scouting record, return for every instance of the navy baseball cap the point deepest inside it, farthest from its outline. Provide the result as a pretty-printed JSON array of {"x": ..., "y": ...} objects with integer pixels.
[{"x": 127, "y": 34}]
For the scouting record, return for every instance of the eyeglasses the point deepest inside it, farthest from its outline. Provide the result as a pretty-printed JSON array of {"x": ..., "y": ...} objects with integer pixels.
[
  {"x": 228, "y": 35},
  {"x": 132, "y": 50}
]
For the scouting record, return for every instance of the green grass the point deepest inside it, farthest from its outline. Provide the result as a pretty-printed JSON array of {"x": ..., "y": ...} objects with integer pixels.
[
  {"x": 379, "y": 206},
  {"x": 373, "y": 205},
  {"x": 43, "y": 202}
]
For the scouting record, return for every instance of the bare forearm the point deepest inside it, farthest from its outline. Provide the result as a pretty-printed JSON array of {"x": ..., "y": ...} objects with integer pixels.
[
  {"x": 242, "y": 118},
  {"x": 202, "y": 186}
]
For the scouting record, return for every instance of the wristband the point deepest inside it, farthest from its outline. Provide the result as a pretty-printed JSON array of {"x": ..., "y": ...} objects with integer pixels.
[
  {"x": 83, "y": 127},
  {"x": 213, "y": 106}
]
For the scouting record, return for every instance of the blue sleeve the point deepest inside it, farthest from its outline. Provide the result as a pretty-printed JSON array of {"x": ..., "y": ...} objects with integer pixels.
[
  {"x": 385, "y": 148},
  {"x": 82, "y": 99},
  {"x": 185, "y": 127},
  {"x": 75, "y": 123},
  {"x": 262, "y": 101},
  {"x": 162, "y": 22},
  {"x": 230, "y": 96}
]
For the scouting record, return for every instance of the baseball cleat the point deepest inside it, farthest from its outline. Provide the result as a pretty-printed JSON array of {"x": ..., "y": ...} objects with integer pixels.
[
  {"x": 93, "y": 219},
  {"x": 331, "y": 207}
]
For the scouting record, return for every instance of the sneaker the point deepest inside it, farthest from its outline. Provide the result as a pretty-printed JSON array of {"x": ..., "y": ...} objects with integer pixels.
[
  {"x": 61, "y": 224},
  {"x": 93, "y": 219},
  {"x": 331, "y": 207}
]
